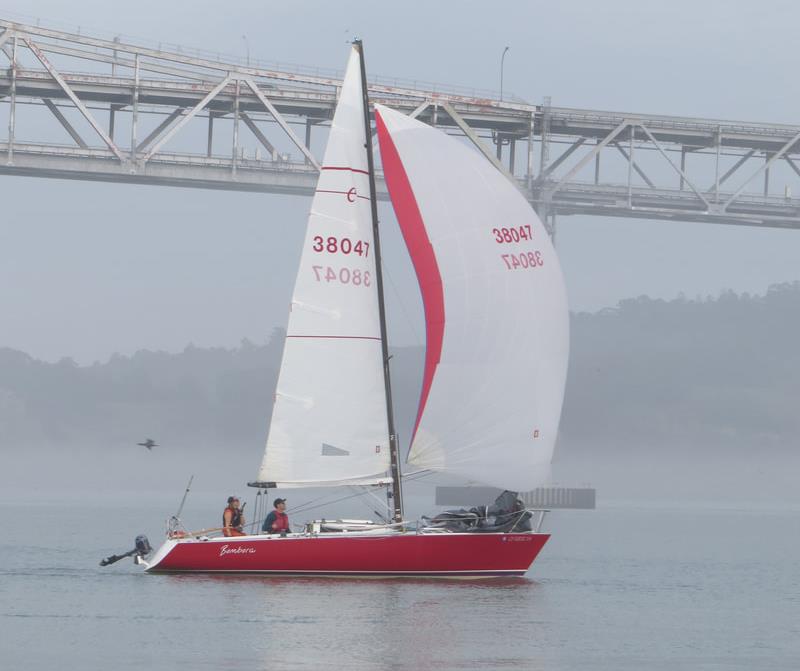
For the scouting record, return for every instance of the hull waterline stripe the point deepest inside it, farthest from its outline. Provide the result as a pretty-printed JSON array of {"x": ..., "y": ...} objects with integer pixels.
[
  {"x": 422, "y": 256},
  {"x": 376, "y": 574}
]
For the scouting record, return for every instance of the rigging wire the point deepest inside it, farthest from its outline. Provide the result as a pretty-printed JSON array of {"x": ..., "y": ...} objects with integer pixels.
[
  {"x": 320, "y": 501},
  {"x": 306, "y": 507},
  {"x": 380, "y": 501}
]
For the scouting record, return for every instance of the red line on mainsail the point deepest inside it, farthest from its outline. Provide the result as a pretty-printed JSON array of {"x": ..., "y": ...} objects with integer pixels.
[
  {"x": 344, "y": 167},
  {"x": 341, "y": 193},
  {"x": 422, "y": 256}
]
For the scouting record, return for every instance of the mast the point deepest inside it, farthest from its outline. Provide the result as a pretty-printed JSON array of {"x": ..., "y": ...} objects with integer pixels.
[{"x": 396, "y": 504}]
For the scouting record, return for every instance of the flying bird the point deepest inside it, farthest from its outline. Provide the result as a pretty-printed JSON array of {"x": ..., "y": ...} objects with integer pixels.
[{"x": 149, "y": 444}]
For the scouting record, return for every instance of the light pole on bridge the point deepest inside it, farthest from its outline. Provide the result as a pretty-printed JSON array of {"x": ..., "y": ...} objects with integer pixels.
[
  {"x": 247, "y": 48},
  {"x": 502, "y": 64}
]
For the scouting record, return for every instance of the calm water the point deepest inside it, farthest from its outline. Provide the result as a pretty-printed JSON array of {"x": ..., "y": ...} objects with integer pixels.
[{"x": 622, "y": 587}]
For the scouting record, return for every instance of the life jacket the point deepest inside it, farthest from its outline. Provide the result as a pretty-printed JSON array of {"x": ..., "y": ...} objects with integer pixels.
[
  {"x": 236, "y": 518},
  {"x": 281, "y": 522}
]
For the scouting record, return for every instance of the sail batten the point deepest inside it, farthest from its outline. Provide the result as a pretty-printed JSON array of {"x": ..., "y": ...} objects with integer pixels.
[{"x": 495, "y": 310}]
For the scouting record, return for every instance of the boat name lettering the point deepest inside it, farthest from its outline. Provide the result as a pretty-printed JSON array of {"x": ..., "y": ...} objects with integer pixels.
[
  {"x": 354, "y": 276},
  {"x": 239, "y": 550},
  {"x": 334, "y": 245},
  {"x": 524, "y": 260},
  {"x": 518, "y": 539}
]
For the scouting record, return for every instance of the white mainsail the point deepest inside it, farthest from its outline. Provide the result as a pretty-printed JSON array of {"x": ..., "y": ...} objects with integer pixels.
[
  {"x": 329, "y": 422},
  {"x": 497, "y": 326}
]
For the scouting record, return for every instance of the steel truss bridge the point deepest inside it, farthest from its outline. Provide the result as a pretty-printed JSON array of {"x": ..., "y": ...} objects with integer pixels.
[{"x": 81, "y": 107}]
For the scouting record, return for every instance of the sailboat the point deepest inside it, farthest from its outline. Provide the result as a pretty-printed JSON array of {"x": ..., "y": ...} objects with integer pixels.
[{"x": 494, "y": 373}]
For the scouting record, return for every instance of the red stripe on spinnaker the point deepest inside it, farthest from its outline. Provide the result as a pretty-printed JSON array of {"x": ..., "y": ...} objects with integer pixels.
[{"x": 422, "y": 256}]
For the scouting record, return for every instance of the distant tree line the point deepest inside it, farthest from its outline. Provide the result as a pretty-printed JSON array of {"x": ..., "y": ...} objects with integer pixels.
[
  {"x": 716, "y": 374},
  {"x": 719, "y": 373}
]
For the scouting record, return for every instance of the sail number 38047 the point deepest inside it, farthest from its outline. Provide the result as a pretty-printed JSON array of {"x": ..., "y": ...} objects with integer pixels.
[
  {"x": 523, "y": 260},
  {"x": 334, "y": 245},
  {"x": 352, "y": 276},
  {"x": 518, "y": 234},
  {"x": 512, "y": 234}
]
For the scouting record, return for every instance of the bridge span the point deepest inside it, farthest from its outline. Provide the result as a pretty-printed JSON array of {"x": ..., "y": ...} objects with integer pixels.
[{"x": 91, "y": 108}]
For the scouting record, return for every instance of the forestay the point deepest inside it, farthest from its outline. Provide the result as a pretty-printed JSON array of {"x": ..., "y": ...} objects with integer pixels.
[
  {"x": 495, "y": 309},
  {"x": 329, "y": 424}
]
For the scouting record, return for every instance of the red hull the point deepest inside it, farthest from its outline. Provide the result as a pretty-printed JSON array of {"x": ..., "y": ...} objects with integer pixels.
[{"x": 410, "y": 554}]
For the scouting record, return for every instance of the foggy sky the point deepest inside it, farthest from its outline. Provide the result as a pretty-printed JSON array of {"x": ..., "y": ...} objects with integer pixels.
[{"x": 87, "y": 269}]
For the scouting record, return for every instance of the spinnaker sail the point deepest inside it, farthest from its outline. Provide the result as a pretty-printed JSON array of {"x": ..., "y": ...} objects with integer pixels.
[{"x": 497, "y": 326}]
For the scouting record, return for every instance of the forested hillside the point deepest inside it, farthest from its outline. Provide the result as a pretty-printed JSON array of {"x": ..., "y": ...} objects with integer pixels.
[{"x": 718, "y": 377}]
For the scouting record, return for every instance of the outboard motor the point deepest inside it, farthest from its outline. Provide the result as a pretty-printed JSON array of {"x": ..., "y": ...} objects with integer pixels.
[
  {"x": 143, "y": 545},
  {"x": 138, "y": 553},
  {"x": 142, "y": 550}
]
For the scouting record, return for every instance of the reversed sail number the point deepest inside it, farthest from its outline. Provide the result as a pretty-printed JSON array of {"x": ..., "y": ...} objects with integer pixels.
[
  {"x": 334, "y": 245},
  {"x": 342, "y": 275},
  {"x": 513, "y": 234},
  {"x": 524, "y": 260}
]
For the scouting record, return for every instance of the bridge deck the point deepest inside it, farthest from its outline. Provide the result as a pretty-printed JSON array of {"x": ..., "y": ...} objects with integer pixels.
[{"x": 251, "y": 128}]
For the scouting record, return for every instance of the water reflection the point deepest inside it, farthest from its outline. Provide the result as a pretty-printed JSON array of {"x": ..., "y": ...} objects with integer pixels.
[{"x": 376, "y": 623}]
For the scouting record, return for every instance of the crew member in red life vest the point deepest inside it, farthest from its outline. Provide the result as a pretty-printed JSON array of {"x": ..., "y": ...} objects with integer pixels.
[
  {"x": 232, "y": 519},
  {"x": 277, "y": 521}
]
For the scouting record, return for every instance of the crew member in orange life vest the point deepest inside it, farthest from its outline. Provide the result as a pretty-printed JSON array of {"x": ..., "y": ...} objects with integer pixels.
[
  {"x": 277, "y": 521},
  {"x": 232, "y": 519}
]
